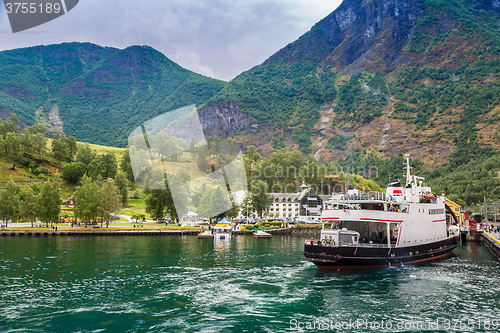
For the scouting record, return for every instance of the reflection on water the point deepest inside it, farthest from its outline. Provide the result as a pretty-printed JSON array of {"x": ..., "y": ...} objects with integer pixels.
[{"x": 173, "y": 284}]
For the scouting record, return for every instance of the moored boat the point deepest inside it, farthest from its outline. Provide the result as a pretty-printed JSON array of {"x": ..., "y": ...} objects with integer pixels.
[
  {"x": 206, "y": 234},
  {"x": 261, "y": 233},
  {"x": 222, "y": 230},
  {"x": 407, "y": 224}
]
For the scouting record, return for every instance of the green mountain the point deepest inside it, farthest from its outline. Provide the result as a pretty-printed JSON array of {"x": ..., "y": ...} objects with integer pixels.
[
  {"x": 97, "y": 94},
  {"x": 379, "y": 77}
]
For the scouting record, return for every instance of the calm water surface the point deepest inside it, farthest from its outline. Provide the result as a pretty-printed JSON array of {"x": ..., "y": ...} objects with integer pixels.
[{"x": 182, "y": 284}]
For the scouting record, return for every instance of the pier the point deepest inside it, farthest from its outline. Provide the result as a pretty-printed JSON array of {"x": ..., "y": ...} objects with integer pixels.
[
  {"x": 158, "y": 232},
  {"x": 492, "y": 242},
  {"x": 131, "y": 232}
]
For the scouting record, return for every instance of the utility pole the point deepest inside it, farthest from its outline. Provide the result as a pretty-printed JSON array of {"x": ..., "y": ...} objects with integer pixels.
[
  {"x": 495, "y": 211},
  {"x": 485, "y": 212}
]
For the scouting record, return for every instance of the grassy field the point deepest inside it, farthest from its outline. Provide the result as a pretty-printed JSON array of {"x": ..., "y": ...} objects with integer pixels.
[
  {"x": 23, "y": 175},
  {"x": 18, "y": 175},
  {"x": 100, "y": 149},
  {"x": 138, "y": 206}
]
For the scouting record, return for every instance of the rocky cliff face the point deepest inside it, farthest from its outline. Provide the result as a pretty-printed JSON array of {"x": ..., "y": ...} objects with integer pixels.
[
  {"x": 427, "y": 52},
  {"x": 376, "y": 33},
  {"x": 223, "y": 119},
  {"x": 358, "y": 30},
  {"x": 228, "y": 120},
  {"x": 491, "y": 5}
]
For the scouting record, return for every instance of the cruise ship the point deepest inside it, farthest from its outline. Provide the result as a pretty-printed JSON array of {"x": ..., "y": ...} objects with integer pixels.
[{"x": 407, "y": 224}]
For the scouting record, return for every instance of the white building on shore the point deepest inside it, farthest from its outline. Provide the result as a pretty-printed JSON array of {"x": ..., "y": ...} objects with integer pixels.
[{"x": 302, "y": 205}]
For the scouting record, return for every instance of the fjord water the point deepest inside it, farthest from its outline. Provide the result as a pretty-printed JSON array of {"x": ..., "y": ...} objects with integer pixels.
[{"x": 182, "y": 284}]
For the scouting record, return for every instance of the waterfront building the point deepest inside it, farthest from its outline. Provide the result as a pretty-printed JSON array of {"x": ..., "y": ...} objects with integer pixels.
[
  {"x": 457, "y": 209},
  {"x": 304, "y": 203}
]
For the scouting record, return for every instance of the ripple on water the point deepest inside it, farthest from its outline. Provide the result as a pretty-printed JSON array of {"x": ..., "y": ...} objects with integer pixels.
[{"x": 182, "y": 284}]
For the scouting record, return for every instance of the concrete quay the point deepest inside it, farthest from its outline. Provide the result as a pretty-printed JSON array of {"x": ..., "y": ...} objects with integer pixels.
[
  {"x": 101, "y": 233},
  {"x": 149, "y": 232},
  {"x": 492, "y": 242}
]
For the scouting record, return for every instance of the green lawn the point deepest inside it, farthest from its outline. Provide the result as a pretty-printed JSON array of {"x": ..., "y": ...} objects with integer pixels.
[{"x": 137, "y": 206}]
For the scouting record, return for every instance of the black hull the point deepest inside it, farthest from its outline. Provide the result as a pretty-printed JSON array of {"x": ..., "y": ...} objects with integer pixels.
[{"x": 347, "y": 257}]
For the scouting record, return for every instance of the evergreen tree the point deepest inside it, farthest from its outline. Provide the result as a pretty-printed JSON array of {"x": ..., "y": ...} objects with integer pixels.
[
  {"x": 126, "y": 166},
  {"x": 156, "y": 203},
  {"x": 71, "y": 147},
  {"x": 159, "y": 202},
  {"x": 107, "y": 165},
  {"x": 197, "y": 194},
  {"x": 261, "y": 201},
  {"x": 215, "y": 203}
]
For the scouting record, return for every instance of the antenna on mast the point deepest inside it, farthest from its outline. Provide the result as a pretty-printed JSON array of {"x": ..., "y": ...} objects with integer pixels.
[{"x": 408, "y": 169}]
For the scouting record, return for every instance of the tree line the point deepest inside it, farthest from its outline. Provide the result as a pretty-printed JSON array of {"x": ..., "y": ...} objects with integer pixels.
[{"x": 101, "y": 188}]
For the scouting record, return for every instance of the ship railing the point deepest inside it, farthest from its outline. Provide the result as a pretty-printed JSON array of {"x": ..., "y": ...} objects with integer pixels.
[
  {"x": 366, "y": 196},
  {"x": 373, "y": 245},
  {"x": 364, "y": 245},
  {"x": 332, "y": 244}
]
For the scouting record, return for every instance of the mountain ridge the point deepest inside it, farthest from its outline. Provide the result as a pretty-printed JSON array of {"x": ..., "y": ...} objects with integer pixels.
[
  {"x": 366, "y": 60},
  {"x": 372, "y": 77},
  {"x": 92, "y": 86}
]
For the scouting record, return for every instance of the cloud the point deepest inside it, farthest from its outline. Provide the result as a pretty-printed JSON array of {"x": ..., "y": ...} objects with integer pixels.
[{"x": 217, "y": 38}]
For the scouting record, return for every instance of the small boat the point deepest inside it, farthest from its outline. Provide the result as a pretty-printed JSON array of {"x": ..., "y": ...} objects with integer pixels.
[
  {"x": 407, "y": 224},
  {"x": 261, "y": 233},
  {"x": 206, "y": 234},
  {"x": 222, "y": 230}
]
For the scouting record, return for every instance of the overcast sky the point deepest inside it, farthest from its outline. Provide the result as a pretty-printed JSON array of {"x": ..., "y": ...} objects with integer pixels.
[{"x": 217, "y": 38}]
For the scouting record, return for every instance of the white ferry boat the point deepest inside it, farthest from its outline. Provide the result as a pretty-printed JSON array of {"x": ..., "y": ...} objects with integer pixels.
[{"x": 407, "y": 224}]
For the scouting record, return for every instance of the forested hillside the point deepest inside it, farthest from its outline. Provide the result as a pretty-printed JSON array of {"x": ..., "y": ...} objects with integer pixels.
[{"x": 96, "y": 94}]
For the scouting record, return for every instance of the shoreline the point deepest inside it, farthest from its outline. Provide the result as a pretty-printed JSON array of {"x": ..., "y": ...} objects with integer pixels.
[{"x": 147, "y": 232}]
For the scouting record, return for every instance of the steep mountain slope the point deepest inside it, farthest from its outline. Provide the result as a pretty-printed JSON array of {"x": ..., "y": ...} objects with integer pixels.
[
  {"x": 380, "y": 76},
  {"x": 98, "y": 94}
]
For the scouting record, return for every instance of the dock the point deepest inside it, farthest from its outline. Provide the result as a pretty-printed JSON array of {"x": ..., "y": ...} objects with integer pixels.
[
  {"x": 206, "y": 235},
  {"x": 131, "y": 232},
  {"x": 492, "y": 242},
  {"x": 472, "y": 236},
  {"x": 262, "y": 234},
  {"x": 108, "y": 232}
]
